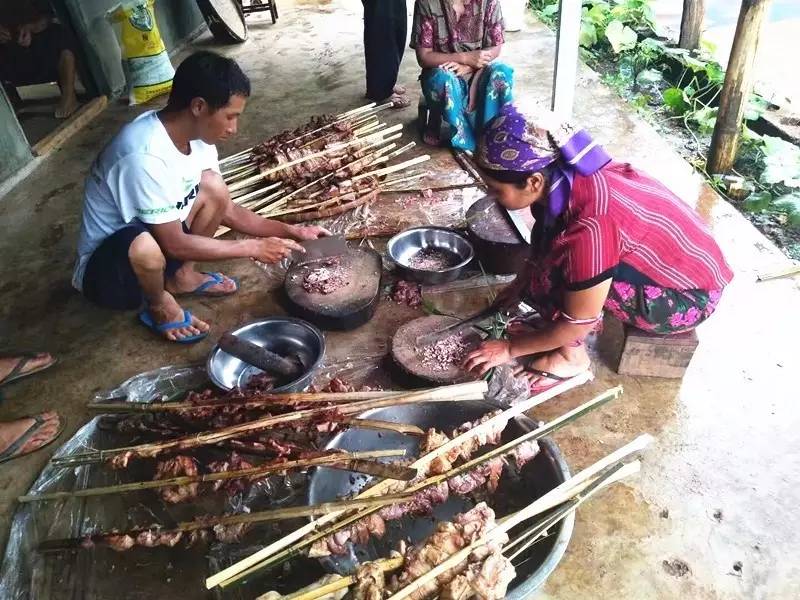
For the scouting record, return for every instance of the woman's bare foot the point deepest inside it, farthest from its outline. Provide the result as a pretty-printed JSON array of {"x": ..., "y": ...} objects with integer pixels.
[
  {"x": 399, "y": 101},
  {"x": 400, "y": 90},
  {"x": 11, "y": 431},
  {"x": 565, "y": 362},
  {"x": 167, "y": 310},
  {"x": 431, "y": 138},
  {"x": 66, "y": 106},
  {"x": 186, "y": 280}
]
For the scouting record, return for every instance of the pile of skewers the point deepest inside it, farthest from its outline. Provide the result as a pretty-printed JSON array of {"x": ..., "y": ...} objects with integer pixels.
[
  {"x": 472, "y": 556},
  {"x": 251, "y": 437},
  {"x": 330, "y": 165}
]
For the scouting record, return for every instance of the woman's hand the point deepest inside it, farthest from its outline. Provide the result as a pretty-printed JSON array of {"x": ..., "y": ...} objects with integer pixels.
[
  {"x": 489, "y": 354},
  {"x": 463, "y": 71},
  {"x": 308, "y": 232},
  {"x": 478, "y": 58}
]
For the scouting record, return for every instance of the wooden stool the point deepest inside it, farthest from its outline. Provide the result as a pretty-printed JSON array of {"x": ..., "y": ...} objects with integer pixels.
[
  {"x": 651, "y": 355},
  {"x": 423, "y": 112}
]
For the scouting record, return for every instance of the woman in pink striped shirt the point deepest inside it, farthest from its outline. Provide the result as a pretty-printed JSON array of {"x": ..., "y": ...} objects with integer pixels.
[{"x": 606, "y": 236}]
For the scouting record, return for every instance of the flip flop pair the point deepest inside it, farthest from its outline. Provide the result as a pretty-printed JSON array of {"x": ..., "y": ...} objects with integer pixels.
[{"x": 14, "y": 450}]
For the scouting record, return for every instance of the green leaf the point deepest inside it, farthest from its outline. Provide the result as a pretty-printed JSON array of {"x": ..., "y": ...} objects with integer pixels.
[
  {"x": 694, "y": 64},
  {"x": 715, "y": 73},
  {"x": 621, "y": 37},
  {"x": 790, "y": 205},
  {"x": 599, "y": 14},
  {"x": 550, "y": 11},
  {"x": 641, "y": 100},
  {"x": 781, "y": 161},
  {"x": 758, "y": 202},
  {"x": 588, "y": 35},
  {"x": 708, "y": 46},
  {"x": 649, "y": 77},
  {"x": 705, "y": 118},
  {"x": 756, "y": 107},
  {"x": 689, "y": 91},
  {"x": 675, "y": 100}
]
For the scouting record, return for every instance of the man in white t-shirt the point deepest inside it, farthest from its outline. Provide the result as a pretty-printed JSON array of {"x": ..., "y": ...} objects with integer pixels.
[{"x": 154, "y": 199}]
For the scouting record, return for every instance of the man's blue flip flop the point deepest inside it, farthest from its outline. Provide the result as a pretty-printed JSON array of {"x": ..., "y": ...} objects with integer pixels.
[
  {"x": 147, "y": 319},
  {"x": 216, "y": 279}
]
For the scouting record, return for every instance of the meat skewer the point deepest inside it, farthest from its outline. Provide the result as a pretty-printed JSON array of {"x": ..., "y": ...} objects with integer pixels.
[
  {"x": 272, "y": 552},
  {"x": 335, "y": 459},
  {"x": 120, "y": 456}
]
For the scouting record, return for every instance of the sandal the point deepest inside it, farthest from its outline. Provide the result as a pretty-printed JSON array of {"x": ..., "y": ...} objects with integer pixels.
[
  {"x": 147, "y": 320},
  {"x": 24, "y": 358},
  {"x": 216, "y": 279},
  {"x": 13, "y": 451},
  {"x": 536, "y": 388}
]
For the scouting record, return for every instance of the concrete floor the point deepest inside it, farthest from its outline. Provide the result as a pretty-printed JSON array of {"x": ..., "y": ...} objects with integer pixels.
[{"x": 716, "y": 488}]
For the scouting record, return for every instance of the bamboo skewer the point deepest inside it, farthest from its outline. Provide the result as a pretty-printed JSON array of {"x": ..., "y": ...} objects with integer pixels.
[
  {"x": 436, "y": 479},
  {"x": 386, "y": 565},
  {"x": 394, "y": 168},
  {"x": 532, "y": 510},
  {"x": 441, "y": 394},
  {"x": 255, "y": 472},
  {"x": 260, "y": 400},
  {"x": 268, "y": 553},
  {"x": 302, "y": 159}
]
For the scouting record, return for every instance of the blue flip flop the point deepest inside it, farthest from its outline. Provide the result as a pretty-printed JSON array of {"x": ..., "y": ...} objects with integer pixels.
[
  {"x": 216, "y": 278},
  {"x": 147, "y": 320}
]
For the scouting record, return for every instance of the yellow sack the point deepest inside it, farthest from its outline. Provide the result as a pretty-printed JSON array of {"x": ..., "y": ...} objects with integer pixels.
[{"x": 148, "y": 69}]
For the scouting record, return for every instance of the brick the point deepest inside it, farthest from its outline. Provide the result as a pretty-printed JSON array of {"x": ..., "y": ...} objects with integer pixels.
[{"x": 650, "y": 355}]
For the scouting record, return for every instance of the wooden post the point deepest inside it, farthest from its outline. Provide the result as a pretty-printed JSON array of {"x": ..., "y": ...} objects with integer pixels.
[
  {"x": 692, "y": 23},
  {"x": 738, "y": 86},
  {"x": 566, "y": 67}
]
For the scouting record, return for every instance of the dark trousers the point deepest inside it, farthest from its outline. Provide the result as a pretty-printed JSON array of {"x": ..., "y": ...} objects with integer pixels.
[{"x": 385, "y": 28}]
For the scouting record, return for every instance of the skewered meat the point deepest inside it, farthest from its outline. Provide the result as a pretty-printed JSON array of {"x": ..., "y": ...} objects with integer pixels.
[
  {"x": 230, "y": 534},
  {"x": 485, "y": 574},
  {"x": 333, "y": 577},
  {"x": 230, "y": 486},
  {"x": 370, "y": 582},
  {"x": 120, "y": 543},
  {"x": 176, "y": 467},
  {"x": 407, "y": 292}
]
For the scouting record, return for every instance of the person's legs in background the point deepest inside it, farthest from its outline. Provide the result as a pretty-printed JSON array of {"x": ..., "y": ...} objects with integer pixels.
[
  {"x": 385, "y": 25},
  {"x": 496, "y": 90},
  {"x": 447, "y": 95}
]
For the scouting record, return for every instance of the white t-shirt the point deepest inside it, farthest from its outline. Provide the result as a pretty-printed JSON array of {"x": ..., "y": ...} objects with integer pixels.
[{"x": 139, "y": 176}]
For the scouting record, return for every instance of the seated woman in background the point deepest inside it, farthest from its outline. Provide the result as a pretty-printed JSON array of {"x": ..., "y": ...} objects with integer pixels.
[
  {"x": 606, "y": 236},
  {"x": 457, "y": 43}
]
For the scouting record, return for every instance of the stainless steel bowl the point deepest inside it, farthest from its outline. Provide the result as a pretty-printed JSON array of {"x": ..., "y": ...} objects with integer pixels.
[
  {"x": 407, "y": 243},
  {"x": 282, "y": 335}
]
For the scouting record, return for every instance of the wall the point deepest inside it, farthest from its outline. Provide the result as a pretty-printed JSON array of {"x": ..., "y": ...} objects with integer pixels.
[
  {"x": 177, "y": 20},
  {"x": 14, "y": 149}
]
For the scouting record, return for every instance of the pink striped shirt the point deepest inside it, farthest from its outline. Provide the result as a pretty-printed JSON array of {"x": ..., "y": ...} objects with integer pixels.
[{"x": 620, "y": 215}]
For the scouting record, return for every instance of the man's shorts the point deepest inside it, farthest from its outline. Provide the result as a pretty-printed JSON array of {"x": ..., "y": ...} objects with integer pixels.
[
  {"x": 109, "y": 279},
  {"x": 38, "y": 63}
]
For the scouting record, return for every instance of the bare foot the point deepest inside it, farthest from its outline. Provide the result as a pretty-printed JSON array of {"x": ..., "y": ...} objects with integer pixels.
[
  {"x": 167, "y": 310},
  {"x": 66, "y": 107},
  {"x": 400, "y": 90},
  {"x": 186, "y": 280},
  {"x": 11, "y": 431},
  {"x": 431, "y": 138},
  {"x": 399, "y": 101},
  {"x": 34, "y": 364},
  {"x": 565, "y": 362}
]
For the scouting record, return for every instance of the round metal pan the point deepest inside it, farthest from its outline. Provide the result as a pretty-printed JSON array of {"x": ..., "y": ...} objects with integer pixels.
[
  {"x": 225, "y": 20},
  {"x": 545, "y": 472}
]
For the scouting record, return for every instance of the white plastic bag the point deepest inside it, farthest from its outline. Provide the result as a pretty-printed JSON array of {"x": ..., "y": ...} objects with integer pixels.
[{"x": 148, "y": 69}]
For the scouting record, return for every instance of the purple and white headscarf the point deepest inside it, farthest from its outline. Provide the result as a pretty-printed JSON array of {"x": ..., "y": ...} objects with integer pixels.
[{"x": 520, "y": 143}]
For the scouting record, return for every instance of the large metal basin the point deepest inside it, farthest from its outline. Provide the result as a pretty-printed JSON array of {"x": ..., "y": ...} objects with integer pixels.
[
  {"x": 282, "y": 335},
  {"x": 545, "y": 472}
]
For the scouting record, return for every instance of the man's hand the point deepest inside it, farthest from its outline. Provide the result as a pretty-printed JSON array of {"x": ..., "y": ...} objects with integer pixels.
[
  {"x": 5, "y": 35},
  {"x": 492, "y": 353},
  {"x": 24, "y": 36},
  {"x": 478, "y": 59},
  {"x": 463, "y": 71},
  {"x": 272, "y": 250},
  {"x": 308, "y": 232}
]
